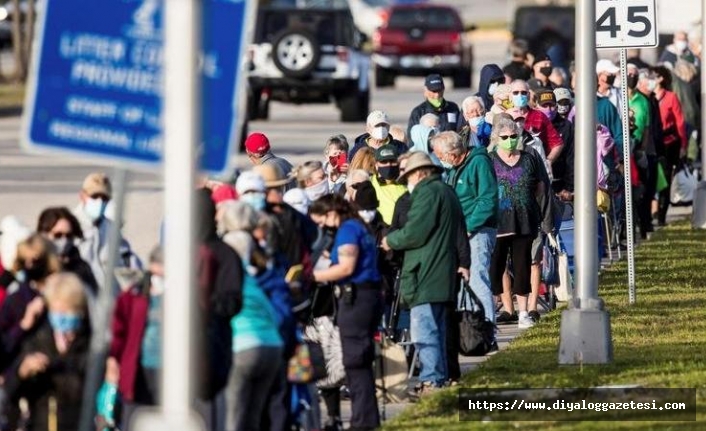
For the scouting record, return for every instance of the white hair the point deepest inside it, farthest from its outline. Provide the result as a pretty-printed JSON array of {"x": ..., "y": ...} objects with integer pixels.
[
  {"x": 430, "y": 120},
  {"x": 470, "y": 100},
  {"x": 448, "y": 142}
]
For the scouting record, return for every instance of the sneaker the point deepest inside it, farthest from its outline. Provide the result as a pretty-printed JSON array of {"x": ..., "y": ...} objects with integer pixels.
[
  {"x": 525, "y": 322},
  {"x": 534, "y": 315},
  {"x": 333, "y": 424},
  {"x": 504, "y": 317},
  {"x": 493, "y": 347}
]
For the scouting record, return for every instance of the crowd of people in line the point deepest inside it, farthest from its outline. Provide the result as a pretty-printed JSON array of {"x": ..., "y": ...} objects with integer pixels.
[{"x": 317, "y": 254}]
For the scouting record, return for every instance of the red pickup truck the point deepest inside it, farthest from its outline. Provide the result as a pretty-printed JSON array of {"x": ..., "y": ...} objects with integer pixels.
[{"x": 418, "y": 39}]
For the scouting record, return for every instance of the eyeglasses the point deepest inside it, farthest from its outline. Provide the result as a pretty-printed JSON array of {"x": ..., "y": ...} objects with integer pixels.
[
  {"x": 505, "y": 137},
  {"x": 60, "y": 235},
  {"x": 524, "y": 93}
]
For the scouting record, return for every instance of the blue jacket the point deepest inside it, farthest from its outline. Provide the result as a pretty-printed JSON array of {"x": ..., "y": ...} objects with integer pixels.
[{"x": 489, "y": 73}]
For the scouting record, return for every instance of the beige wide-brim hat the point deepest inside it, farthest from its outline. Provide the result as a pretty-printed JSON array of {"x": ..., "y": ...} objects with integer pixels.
[
  {"x": 272, "y": 175},
  {"x": 418, "y": 160}
]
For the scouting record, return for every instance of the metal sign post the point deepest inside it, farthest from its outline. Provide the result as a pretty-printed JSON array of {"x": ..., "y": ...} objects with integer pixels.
[
  {"x": 627, "y": 174},
  {"x": 698, "y": 216},
  {"x": 585, "y": 327}
]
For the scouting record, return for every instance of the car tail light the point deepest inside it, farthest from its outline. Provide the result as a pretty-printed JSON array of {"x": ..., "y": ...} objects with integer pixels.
[
  {"x": 456, "y": 41},
  {"x": 342, "y": 53}
]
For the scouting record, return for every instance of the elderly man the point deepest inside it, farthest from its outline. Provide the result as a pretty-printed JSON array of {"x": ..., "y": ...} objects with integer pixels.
[
  {"x": 606, "y": 72},
  {"x": 259, "y": 152},
  {"x": 536, "y": 122},
  {"x": 428, "y": 280},
  {"x": 377, "y": 134},
  {"x": 435, "y": 103},
  {"x": 474, "y": 131},
  {"x": 470, "y": 172},
  {"x": 678, "y": 50}
]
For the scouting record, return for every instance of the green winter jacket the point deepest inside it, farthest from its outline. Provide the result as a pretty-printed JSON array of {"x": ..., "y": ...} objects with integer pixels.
[
  {"x": 477, "y": 189},
  {"x": 429, "y": 242}
]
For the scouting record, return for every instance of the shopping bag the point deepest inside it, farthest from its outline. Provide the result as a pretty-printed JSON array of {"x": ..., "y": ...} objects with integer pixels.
[
  {"x": 565, "y": 289},
  {"x": 550, "y": 263},
  {"x": 683, "y": 186},
  {"x": 476, "y": 333},
  {"x": 662, "y": 182}
]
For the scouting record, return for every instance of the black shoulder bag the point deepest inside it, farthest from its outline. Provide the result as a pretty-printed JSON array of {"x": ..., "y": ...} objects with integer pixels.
[{"x": 476, "y": 333}]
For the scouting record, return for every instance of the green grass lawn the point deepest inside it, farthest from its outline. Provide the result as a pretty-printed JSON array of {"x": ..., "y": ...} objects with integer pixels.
[{"x": 658, "y": 342}]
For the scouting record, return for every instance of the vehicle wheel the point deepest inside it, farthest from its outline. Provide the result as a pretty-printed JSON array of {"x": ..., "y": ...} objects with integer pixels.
[
  {"x": 384, "y": 78},
  {"x": 296, "y": 53},
  {"x": 354, "y": 106},
  {"x": 462, "y": 79}
]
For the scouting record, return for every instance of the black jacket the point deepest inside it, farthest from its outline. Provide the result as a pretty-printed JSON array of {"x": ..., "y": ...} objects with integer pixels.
[
  {"x": 361, "y": 142},
  {"x": 563, "y": 166},
  {"x": 488, "y": 74},
  {"x": 62, "y": 381},
  {"x": 449, "y": 115}
]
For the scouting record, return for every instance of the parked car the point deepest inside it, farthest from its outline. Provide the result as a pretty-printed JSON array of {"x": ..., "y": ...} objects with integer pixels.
[
  {"x": 418, "y": 39},
  {"x": 307, "y": 55}
]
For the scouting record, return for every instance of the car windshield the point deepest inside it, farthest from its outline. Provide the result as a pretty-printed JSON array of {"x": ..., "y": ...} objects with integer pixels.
[{"x": 437, "y": 18}]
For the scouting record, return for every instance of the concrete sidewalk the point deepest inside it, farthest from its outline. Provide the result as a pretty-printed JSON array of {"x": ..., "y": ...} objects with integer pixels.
[{"x": 506, "y": 333}]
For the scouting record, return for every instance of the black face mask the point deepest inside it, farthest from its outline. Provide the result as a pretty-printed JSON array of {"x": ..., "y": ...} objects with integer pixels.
[
  {"x": 389, "y": 173},
  {"x": 632, "y": 81},
  {"x": 610, "y": 80},
  {"x": 546, "y": 71},
  {"x": 38, "y": 271},
  {"x": 329, "y": 231}
]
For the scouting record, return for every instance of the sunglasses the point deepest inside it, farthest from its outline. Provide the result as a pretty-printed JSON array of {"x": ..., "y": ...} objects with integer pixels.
[
  {"x": 520, "y": 92},
  {"x": 60, "y": 235},
  {"x": 100, "y": 196},
  {"x": 505, "y": 137}
]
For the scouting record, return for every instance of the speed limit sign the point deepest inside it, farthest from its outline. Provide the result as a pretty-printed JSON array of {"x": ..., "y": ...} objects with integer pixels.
[{"x": 626, "y": 24}]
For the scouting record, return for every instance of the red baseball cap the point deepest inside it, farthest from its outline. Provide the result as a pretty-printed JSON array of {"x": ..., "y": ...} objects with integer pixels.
[
  {"x": 257, "y": 143},
  {"x": 223, "y": 193}
]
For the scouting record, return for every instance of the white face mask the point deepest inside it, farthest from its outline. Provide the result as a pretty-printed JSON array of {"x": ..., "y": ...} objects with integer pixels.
[
  {"x": 94, "y": 208},
  {"x": 492, "y": 88},
  {"x": 651, "y": 85},
  {"x": 681, "y": 45},
  {"x": 367, "y": 215},
  {"x": 380, "y": 133},
  {"x": 157, "y": 283},
  {"x": 317, "y": 190},
  {"x": 410, "y": 188}
]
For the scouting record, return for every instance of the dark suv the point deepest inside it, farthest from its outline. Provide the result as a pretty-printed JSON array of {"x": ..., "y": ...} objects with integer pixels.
[
  {"x": 307, "y": 55},
  {"x": 418, "y": 39}
]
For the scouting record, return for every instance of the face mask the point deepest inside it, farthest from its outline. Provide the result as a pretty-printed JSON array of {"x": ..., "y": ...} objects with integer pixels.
[
  {"x": 94, "y": 208},
  {"x": 410, "y": 188},
  {"x": 475, "y": 122},
  {"x": 38, "y": 271},
  {"x": 436, "y": 102},
  {"x": 651, "y": 85},
  {"x": 62, "y": 246},
  {"x": 610, "y": 80},
  {"x": 508, "y": 144},
  {"x": 546, "y": 71},
  {"x": 389, "y": 173},
  {"x": 380, "y": 133},
  {"x": 367, "y": 215},
  {"x": 681, "y": 45},
  {"x": 563, "y": 109},
  {"x": 446, "y": 165},
  {"x": 520, "y": 100},
  {"x": 317, "y": 190},
  {"x": 157, "y": 283},
  {"x": 632, "y": 81},
  {"x": 64, "y": 322},
  {"x": 492, "y": 88},
  {"x": 255, "y": 200},
  {"x": 548, "y": 112},
  {"x": 329, "y": 230}
]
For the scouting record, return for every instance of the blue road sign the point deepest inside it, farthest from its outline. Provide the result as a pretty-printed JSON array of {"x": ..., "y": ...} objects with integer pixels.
[{"x": 96, "y": 82}]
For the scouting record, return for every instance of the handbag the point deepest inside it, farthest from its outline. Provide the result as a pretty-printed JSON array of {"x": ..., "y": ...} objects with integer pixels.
[
  {"x": 307, "y": 364},
  {"x": 683, "y": 186},
  {"x": 550, "y": 262},
  {"x": 565, "y": 289},
  {"x": 476, "y": 333}
]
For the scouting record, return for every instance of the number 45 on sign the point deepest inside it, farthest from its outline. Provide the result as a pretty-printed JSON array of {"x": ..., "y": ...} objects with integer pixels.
[{"x": 625, "y": 24}]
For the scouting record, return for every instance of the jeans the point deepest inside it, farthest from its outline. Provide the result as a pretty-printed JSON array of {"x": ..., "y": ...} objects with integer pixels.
[
  {"x": 482, "y": 245},
  {"x": 428, "y": 324}
]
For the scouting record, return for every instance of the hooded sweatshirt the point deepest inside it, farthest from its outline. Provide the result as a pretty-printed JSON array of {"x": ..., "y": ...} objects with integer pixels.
[{"x": 489, "y": 73}]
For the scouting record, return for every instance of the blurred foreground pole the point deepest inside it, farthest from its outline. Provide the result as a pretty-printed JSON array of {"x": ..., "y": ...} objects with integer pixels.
[
  {"x": 181, "y": 132},
  {"x": 585, "y": 326},
  {"x": 698, "y": 215}
]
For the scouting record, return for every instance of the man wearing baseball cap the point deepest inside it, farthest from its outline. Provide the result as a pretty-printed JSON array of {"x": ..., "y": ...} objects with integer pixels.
[
  {"x": 606, "y": 72},
  {"x": 434, "y": 103},
  {"x": 259, "y": 152},
  {"x": 377, "y": 134},
  {"x": 563, "y": 167},
  {"x": 431, "y": 262},
  {"x": 387, "y": 189}
]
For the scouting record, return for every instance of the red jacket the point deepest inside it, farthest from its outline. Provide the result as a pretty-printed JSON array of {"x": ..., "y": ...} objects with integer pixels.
[
  {"x": 129, "y": 320},
  {"x": 537, "y": 122},
  {"x": 673, "y": 122}
]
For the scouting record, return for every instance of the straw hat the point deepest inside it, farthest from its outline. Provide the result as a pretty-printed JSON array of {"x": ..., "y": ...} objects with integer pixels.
[
  {"x": 272, "y": 175},
  {"x": 418, "y": 160}
]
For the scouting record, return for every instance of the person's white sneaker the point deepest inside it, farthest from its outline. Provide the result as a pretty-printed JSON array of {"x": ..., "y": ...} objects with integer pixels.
[{"x": 525, "y": 322}]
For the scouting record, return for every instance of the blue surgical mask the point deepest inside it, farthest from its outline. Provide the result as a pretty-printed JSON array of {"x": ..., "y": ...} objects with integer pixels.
[
  {"x": 476, "y": 121},
  {"x": 256, "y": 200},
  {"x": 492, "y": 88},
  {"x": 65, "y": 322},
  {"x": 446, "y": 165},
  {"x": 520, "y": 100},
  {"x": 94, "y": 208}
]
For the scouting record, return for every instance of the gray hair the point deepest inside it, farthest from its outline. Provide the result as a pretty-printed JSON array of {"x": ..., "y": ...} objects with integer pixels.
[
  {"x": 470, "y": 100},
  {"x": 238, "y": 215},
  {"x": 448, "y": 142},
  {"x": 357, "y": 176},
  {"x": 430, "y": 120},
  {"x": 502, "y": 123}
]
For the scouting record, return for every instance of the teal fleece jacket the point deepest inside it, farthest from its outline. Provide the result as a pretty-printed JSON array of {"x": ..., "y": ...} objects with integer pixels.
[{"x": 477, "y": 189}]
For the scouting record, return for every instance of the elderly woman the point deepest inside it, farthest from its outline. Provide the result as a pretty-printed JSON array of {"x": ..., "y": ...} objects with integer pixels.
[
  {"x": 49, "y": 372},
  {"x": 476, "y": 132},
  {"x": 336, "y": 163},
  {"x": 312, "y": 178},
  {"x": 520, "y": 188}
]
